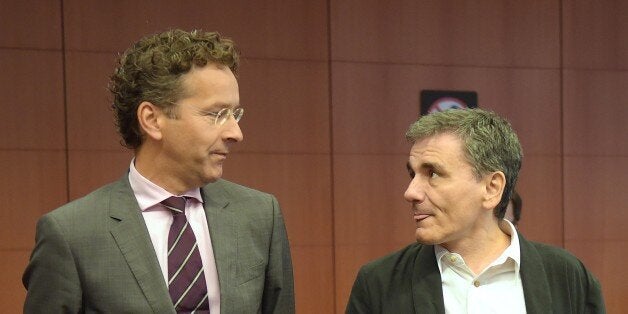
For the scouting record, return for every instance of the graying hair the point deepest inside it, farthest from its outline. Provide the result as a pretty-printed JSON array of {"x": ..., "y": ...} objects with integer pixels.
[{"x": 489, "y": 143}]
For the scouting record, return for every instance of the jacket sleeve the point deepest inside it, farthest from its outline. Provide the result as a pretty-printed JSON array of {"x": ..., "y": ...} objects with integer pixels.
[
  {"x": 278, "y": 294},
  {"x": 594, "y": 299},
  {"x": 51, "y": 278},
  {"x": 359, "y": 300}
]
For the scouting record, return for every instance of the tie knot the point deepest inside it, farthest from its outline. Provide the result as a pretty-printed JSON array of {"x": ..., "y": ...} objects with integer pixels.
[{"x": 175, "y": 203}]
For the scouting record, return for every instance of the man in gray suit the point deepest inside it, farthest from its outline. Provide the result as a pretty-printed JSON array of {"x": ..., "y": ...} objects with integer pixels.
[
  {"x": 170, "y": 236},
  {"x": 463, "y": 166}
]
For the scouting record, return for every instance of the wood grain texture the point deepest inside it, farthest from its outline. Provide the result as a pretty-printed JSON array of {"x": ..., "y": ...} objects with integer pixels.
[{"x": 453, "y": 32}]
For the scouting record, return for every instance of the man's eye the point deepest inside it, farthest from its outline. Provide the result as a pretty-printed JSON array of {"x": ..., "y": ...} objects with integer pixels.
[
  {"x": 433, "y": 174},
  {"x": 411, "y": 173},
  {"x": 213, "y": 114}
]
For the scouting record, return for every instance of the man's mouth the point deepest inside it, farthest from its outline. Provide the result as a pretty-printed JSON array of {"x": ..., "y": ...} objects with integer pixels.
[
  {"x": 420, "y": 217},
  {"x": 220, "y": 155}
]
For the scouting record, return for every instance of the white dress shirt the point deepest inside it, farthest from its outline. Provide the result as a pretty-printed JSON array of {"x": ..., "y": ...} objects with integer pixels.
[
  {"x": 158, "y": 220},
  {"x": 497, "y": 289}
]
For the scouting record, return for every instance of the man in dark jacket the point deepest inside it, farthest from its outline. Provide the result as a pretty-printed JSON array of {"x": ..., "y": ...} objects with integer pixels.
[{"x": 464, "y": 165}]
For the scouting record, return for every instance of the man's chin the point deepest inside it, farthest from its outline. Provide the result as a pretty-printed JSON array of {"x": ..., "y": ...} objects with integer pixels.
[
  {"x": 212, "y": 175},
  {"x": 426, "y": 239}
]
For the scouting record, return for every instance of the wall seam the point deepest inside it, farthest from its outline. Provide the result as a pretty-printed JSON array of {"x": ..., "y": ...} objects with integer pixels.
[
  {"x": 561, "y": 118},
  {"x": 331, "y": 156},
  {"x": 65, "y": 102}
]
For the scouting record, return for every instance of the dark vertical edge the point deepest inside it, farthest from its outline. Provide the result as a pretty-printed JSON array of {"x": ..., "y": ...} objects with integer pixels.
[
  {"x": 65, "y": 102},
  {"x": 331, "y": 152},
  {"x": 561, "y": 76}
]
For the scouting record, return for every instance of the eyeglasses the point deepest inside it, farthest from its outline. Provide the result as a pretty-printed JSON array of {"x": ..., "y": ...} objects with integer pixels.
[{"x": 223, "y": 115}]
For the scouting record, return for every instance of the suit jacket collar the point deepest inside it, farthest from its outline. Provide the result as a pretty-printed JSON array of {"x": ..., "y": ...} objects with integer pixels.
[
  {"x": 131, "y": 235},
  {"x": 223, "y": 232}
]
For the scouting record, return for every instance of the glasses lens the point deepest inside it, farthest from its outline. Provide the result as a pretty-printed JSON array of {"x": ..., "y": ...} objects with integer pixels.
[
  {"x": 238, "y": 113},
  {"x": 223, "y": 115}
]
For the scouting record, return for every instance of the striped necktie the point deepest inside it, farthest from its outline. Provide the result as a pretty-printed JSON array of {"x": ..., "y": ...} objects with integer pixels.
[{"x": 186, "y": 280}]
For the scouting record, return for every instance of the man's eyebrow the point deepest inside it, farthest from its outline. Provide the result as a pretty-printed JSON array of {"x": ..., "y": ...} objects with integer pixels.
[
  {"x": 432, "y": 165},
  {"x": 220, "y": 105},
  {"x": 216, "y": 107}
]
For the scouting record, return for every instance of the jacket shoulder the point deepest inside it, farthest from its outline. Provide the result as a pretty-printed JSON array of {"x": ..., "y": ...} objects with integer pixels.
[
  {"x": 555, "y": 257},
  {"x": 394, "y": 264},
  {"x": 572, "y": 286},
  {"x": 234, "y": 189},
  {"x": 95, "y": 201}
]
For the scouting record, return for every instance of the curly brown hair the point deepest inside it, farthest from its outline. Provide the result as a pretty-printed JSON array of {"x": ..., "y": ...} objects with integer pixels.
[{"x": 151, "y": 71}]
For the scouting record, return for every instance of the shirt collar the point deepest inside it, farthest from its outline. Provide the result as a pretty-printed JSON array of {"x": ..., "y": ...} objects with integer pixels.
[
  {"x": 149, "y": 194},
  {"x": 513, "y": 251}
]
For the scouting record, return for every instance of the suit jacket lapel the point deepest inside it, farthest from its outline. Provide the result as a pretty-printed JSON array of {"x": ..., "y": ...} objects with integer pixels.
[
  {"x": 536, "y": 289},
  {"x": 131, "y": 235},
  {"x": 427, "y": 290},
  {"x": 222, "y": 230}
]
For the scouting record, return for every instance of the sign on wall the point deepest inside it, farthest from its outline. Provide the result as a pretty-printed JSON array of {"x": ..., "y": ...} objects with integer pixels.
[{"x": 440, "y": 100}]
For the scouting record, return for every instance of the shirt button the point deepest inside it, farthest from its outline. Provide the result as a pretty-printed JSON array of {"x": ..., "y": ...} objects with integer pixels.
[
  {"x": 453, "y": 258},
  {"x": 476, "y": 283}
]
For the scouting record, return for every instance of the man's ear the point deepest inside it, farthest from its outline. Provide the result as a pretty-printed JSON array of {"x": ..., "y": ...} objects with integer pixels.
[
  {"x": 495, "y": 183},
  {"x": 149, "y": 117}
]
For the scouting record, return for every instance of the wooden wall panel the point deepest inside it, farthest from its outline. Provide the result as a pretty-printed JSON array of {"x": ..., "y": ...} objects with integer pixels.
[
  {"x": 32, "y": 148},
  {"x": 90, "y": 118},
  {"x": 540, "y": 188},
  {"x": 595, "y": 198},
  {"x": 301, "y": 183},
  {"x": 91, "y": 169},
  {"x": 12, "y": 293},
  {"x": 34, "y": 182},
  {"x": 32, "y": 87},
  {"x": 595, "y": 112},
  {"x": 286, "y": 106},
  {"x": 374, "y": 104},
  {"x": 489, "y": 33},
  {"x": 596, "y": 166},
  {"x": 313, "y": 279},
  {"x": 370, "y": 213},
  {"x": 95, "y": 155},
  {"x": 30, "y": 24},
  {"x": 267, "y": 29},
  {"x": 594, "y": 34},
  {"x": 595, "y": 131},
  {"x": 369, "y": 207}
]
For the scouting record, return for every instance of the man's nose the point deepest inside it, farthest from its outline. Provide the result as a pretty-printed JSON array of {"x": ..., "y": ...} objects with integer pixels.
[
  {"x": 415, "y": 191},
  {"x": 232, "y": 131}
]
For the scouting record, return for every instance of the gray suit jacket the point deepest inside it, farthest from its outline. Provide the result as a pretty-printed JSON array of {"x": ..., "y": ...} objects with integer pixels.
[
  {"x": 95, "y": 255},
  {"x": 409, "y": 281}
]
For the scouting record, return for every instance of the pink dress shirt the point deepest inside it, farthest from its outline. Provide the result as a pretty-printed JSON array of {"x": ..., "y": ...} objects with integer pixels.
[{"x": 158, "y": 220}]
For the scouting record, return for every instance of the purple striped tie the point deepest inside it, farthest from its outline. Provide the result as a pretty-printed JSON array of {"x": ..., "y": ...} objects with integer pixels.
[{"x": 186, "y": 280}]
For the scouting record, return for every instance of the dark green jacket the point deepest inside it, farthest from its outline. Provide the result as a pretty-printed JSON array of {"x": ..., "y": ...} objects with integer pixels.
[{"x": 408, "y": 281}]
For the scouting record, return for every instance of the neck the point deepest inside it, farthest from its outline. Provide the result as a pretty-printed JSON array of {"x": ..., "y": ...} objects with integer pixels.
[
  {"x": 482, "y": 247},
  {"x": 153, "y": 167}
]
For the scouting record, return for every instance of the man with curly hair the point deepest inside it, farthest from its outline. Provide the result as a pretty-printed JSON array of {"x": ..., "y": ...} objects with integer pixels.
[
  {"x": 467, "y": 258},
  {"x": 170, "y": 236}
]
